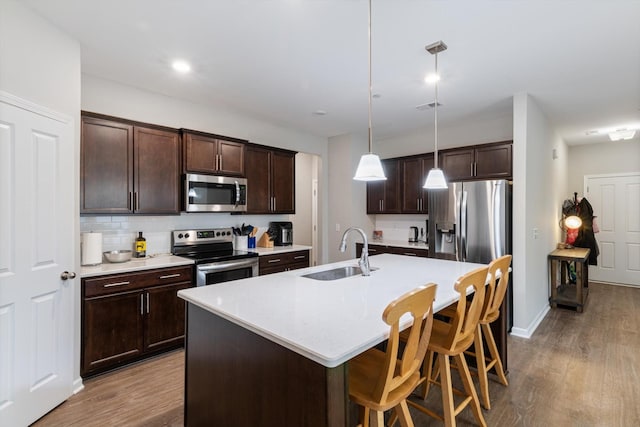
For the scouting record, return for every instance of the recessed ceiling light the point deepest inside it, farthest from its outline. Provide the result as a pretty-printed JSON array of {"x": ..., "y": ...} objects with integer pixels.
[
  {"x": 181, "y": 66},
  {"x": 319, "y": 113},
  {"x": 431, "y": 78}
]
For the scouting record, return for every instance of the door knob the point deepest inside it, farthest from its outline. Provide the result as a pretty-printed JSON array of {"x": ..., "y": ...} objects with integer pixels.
[{"x": 65, "y": 275}]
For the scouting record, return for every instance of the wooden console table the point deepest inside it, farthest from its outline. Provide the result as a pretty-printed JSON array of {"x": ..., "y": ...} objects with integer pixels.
[{"x": 564, "y": 292}]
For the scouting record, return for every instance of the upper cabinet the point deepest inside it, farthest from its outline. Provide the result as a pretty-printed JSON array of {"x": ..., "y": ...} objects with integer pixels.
[
  {"x": 490, "y": 161},
  {"x": 212, "y": 154},
  {"x": 384, "y": 196},
  {"x": 270, "y": 180},
  {"x": 414, "y": 173},
  {"x": 127, "y": 169}
]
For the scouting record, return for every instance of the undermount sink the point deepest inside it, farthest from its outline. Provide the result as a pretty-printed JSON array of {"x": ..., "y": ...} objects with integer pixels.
[{"x": 336, "y": 273}]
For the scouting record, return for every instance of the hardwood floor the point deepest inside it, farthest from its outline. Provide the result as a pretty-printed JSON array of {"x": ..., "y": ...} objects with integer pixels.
[{"x": 578, "y": 369}]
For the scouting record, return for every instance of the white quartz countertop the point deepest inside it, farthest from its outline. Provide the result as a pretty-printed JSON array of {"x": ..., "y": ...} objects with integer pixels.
[
  {"x": 136, "y": 264},
  {"x": 328, "y": 322},
  {"x": 279, "y": 249}
]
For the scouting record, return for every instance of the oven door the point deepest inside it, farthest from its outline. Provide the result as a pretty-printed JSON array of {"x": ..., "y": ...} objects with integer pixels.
[
  {"x": 224, "y": 271},
  {"x": 209, "y": 193}
]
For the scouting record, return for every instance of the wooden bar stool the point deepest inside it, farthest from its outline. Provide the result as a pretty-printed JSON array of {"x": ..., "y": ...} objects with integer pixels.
[
  {"x": 379, "y": 381},
  {"x": 494, "y": 296},
  {"x": 450, "y": 340}
]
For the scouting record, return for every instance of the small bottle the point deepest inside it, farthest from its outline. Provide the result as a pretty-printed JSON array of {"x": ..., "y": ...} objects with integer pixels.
[{"x": 141, "y": 246}]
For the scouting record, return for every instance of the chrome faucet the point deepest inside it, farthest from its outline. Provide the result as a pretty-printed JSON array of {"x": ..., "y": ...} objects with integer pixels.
[{"x": 363, "y": 262}]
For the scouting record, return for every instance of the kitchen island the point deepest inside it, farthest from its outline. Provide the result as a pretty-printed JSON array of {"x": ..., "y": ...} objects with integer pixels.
[{"x": 272, "y": 350}]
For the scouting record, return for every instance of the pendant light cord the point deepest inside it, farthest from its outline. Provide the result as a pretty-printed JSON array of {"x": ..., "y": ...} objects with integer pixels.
[
  {"x": 435, "y": 114},
  {"x": 370, "y": 88}
]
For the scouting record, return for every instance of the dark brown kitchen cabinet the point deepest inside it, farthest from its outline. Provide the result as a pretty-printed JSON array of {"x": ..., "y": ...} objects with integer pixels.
[
  {"x": 414, "y": 173},
  {"x": 489, "y": 161},
  {"x": 384, "y": 196},
  {"x": 128, "y": 168},
  {"x": 212, "y": 154},
  {"x": 283, "y": 261},
  {"x": 270, "y": 180},
  {"x": 129, "y": 316},
  {"x": 375, "y": 249}
]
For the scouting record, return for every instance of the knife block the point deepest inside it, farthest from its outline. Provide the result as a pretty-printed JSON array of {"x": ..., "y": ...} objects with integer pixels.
[{"x": 264, "y": 241}]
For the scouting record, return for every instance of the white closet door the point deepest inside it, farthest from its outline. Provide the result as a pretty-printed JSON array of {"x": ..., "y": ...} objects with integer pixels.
[
  {"x": 36, "y": 246},
  {"x": 616, "y": 203}
]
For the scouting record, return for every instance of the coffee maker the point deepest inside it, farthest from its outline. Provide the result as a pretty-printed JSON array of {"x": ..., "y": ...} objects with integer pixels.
[{"x": 283, "y": 231}]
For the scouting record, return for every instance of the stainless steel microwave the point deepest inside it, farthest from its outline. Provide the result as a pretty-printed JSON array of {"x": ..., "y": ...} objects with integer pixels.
[{"x": 212, "y": 193}]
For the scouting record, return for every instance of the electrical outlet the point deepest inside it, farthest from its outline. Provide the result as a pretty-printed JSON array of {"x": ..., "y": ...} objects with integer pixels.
[
  {"x": 337, "y": 227},
  {"x": 536, "y": 233}
]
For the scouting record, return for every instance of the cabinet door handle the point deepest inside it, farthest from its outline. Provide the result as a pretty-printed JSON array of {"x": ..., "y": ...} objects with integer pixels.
[
  {"x": 274, "y": 203},
  {"x": 115, "y": 284},
  {"x": 170, "y": 276},
  {"x": 141, "y": 304},
  {"x": 130, "y": 201},
  {"x": 373, "y": 250},
  {"x": 471, "y": 169},
  {"x": 410, "y": 254},
  {"x": 273, "y": 260},
  {"x": 137, "y": 201},
  {"x": 300, "y": 257},
  {"x": 147, "y": 302}
]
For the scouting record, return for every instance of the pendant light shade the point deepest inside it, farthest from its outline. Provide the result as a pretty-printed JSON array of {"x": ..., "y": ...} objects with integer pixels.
[
  {"x": 370, "y": 168},
  {"x": 435, "y": 178}
]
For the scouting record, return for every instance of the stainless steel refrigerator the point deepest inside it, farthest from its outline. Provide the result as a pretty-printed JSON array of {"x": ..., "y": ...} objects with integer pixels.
[{"x": 471, "y": 221}]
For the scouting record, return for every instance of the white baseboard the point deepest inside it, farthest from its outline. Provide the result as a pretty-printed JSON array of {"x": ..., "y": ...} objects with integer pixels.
[
  {"x": 78, "y": 385},
  {"x": 528, "y": 332}
]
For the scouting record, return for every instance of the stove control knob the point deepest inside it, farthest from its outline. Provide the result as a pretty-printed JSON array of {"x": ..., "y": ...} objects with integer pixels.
[
  {"x": 180, "y": 236},
  {"x": 217, "y": 234},
  {"x": 186, "y": 236},
  {"x": 228, "y": 233}
]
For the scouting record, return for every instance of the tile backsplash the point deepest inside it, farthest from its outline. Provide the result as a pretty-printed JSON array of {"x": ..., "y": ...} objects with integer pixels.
[
  {"x": 396, "y": 227},
  {"x": 120, "y": 232}
]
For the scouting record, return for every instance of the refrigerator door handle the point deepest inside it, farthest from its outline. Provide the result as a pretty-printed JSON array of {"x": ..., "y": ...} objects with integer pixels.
[
  {"x": 495, "y": 232},
  {"x": 463, "y": 227},
  {"x": 457, "y": 221}
]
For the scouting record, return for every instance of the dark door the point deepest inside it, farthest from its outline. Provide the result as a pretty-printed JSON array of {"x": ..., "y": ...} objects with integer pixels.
[
  {"x": 258, "y": 180},
  {"x": 283, "y": 182},
  {"x": 106, "y": 167},
  {"x": 231, "y": 156},
  {"x": 494, "y": 161},
  {"x": 200, "y": 153},
  {"x": 165, "y": 316},
  {"x": 112, "y": 330},
  {"x": 457, "y": 164},
  {"x": 157, "y": 171}
]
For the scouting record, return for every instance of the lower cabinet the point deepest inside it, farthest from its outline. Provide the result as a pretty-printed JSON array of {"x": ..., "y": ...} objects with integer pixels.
[
  {"x": 398, "y": 250},
  {"x": 129, "y": 316},
  {"x": 284, "y": 261}
]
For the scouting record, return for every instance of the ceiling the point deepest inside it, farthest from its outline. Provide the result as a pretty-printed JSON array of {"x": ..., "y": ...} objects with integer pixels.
[{"x": 283, "y": 60}]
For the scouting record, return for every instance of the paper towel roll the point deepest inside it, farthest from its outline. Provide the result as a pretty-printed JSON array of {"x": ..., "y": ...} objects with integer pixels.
[{"x": 91, "y": 248}]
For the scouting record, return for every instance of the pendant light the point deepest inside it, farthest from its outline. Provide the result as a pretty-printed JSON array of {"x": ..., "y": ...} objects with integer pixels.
[
  {"x": 369, "y": 168},
  {"x": 435, "y": 179}
]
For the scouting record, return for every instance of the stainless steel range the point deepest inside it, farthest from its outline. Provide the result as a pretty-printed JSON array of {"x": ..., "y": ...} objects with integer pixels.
[{"x": 212, "y": 250}]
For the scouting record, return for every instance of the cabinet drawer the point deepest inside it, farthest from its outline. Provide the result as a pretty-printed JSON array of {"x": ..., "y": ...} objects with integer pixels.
[
  {"x": 116, "y": 283},
  {"x": 284, "y": 261}
]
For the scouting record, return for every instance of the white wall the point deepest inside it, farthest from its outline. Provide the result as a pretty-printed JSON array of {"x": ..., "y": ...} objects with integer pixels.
[
  {"x": 473, "y": 131},
  {"x": 115, "y": 99},
  {"x": 540, "y": 183},
  {"x": 604, "y": 158},
  {"x": 346, "y": 197},
  {"x": 41, "y": 64}
]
